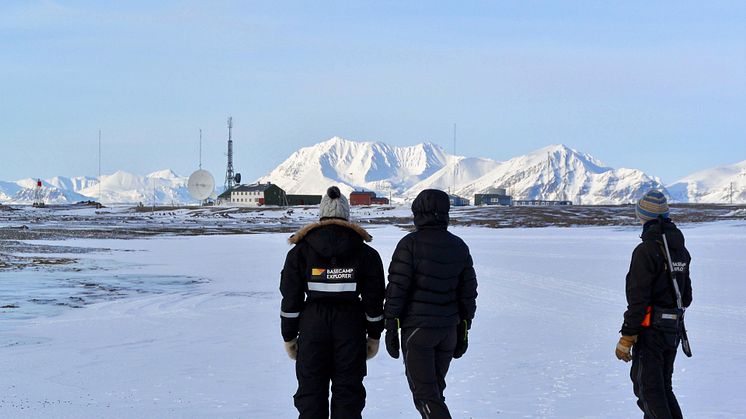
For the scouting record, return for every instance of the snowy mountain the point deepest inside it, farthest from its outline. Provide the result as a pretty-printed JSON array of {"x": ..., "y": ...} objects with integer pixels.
[
  {"x": 349, "y": 164},
  {"x": 555, "y": 172},
  {"x": 23, "y": 192},
  {"x": 712, "y": 185},
  {"x": 558, "y": 172},
  {"x": 164, "y": 186}
]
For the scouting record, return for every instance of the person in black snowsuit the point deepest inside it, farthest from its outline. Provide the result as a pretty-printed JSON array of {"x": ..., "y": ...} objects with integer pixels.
[
  {"x": 332, "y": 287},
  {"x": 653, "y": 325},
  {"x": 431, "y": 296}
]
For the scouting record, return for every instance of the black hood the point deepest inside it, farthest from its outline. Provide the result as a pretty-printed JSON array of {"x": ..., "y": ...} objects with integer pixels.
[
  {"x": 430, "y": 209},
  {"x": 652, "y": 231}
]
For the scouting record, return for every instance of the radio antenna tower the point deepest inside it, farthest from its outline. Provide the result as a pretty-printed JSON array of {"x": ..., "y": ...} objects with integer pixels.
[
  {"x": 455, "y": 166},
  {"x": 549, "y": 174},
  {"x": 200, "y": 149},
  {"x": 229, "y": 175},
  {"x": 99, "y": 167}
]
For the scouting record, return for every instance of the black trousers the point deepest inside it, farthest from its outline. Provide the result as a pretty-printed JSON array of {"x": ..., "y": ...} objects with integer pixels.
[
  {"x": 427, "y": 356},
  {"x": 652, "y": 368},
  {"x": 331, "y": 348}
]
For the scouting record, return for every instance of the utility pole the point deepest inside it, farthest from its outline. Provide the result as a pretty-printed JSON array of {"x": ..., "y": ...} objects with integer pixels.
[
  {"x": 454, "y": 156},
  {"x": 549, "y": 171},
  {"x": 100, "y": 198}
]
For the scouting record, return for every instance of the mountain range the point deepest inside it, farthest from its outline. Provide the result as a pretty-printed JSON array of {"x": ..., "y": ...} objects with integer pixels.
[
  {"x": 163, "y": 187},
  {"x": 556, "y": 172}
]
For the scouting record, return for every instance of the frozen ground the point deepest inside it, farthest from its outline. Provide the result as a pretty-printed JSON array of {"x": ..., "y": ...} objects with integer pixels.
[
  {"x": 206, "y": 343},
  {"x": 123, "y": 222}
]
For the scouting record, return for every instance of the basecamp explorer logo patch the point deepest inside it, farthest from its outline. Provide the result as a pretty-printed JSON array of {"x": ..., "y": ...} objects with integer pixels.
[
  {"x": 679, "y": 266},
  {"x": 333, "y": 274}
]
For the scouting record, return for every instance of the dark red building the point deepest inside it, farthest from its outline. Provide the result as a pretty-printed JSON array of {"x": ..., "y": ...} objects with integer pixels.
[{"x": 366, "y": 198}]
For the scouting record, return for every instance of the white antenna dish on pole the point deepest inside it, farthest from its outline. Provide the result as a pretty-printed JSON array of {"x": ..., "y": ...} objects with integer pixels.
[{"x": 201, "y": 185}]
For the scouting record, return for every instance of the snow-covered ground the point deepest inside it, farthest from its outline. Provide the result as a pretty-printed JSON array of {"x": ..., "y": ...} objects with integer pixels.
[{"x": 548, "y": 316}]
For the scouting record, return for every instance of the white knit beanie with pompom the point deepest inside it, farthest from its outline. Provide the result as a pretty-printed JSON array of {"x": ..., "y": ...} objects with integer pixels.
[{"x": 334, "y": 205}]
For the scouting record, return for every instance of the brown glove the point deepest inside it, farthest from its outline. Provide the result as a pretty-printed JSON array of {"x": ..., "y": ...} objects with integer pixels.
[
  {"x": 624, "y": 348},
  {"x": 292, "y": 349},
  {"x": 372, "y": 347}
]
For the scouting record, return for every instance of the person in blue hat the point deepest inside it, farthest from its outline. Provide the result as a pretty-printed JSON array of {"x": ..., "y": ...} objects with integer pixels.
[{"x": 658, "y": 289}]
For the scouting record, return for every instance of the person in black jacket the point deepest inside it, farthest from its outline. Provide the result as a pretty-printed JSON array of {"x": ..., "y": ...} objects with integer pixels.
[
  {"x": 653, "y": 325},
  {"x": 332, "y": 289},
  {"x": 431, "y": 296}
]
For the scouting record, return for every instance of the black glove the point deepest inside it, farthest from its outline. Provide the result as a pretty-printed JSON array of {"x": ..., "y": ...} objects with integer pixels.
[
  {"x": 462, "y": 338},
  {"x": 392, "y": 337}
]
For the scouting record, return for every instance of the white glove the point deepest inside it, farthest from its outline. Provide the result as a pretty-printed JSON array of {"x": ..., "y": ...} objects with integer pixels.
[
  {"x": 292, "y": 348},
  {"x": 372, "y": 346}
]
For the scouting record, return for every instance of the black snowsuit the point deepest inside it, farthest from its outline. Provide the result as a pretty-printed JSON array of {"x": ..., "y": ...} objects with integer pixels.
[
  {"x": 649, "y": 285},
  {"x": 332, "y": 288},
  {"x": 432, "y": 287}
]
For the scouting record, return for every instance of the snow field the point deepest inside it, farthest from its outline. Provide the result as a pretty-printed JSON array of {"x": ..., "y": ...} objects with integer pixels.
[{"x": 549, "y": 309}]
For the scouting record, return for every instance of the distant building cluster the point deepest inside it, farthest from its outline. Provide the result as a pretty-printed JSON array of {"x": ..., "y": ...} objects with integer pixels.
[
  {"x": 500, "y": 196},
  {"x": 261, "y": 194}
]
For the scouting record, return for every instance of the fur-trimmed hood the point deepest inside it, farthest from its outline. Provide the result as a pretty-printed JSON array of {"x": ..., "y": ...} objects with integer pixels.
[{"x": 303, "y": 232}]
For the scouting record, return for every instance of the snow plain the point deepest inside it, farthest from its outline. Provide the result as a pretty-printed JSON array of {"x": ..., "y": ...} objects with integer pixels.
[{"x": 549, "y": 310}]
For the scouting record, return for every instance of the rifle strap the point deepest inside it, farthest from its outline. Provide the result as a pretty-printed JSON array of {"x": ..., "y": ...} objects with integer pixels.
[{"x": 669, "y": 266}]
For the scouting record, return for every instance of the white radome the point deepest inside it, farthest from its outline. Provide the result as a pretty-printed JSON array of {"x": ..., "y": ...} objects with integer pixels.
[{"x": 201, "y": 185}]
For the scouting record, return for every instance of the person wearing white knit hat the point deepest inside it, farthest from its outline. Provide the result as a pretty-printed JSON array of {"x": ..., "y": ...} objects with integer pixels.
[
  {"x": 334, "y": 205},
  {"x": 331, "y": 315}
]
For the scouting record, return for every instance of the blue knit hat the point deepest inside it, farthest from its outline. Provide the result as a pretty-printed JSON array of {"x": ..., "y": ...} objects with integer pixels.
[{"x": 652, "y": 205}]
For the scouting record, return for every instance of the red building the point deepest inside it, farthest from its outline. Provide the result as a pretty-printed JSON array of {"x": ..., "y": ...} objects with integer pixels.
[{"x": 366, "y": 198}]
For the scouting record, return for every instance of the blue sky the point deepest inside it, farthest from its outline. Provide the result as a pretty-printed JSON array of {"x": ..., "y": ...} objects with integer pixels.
[{"x": 659, "y": 86}]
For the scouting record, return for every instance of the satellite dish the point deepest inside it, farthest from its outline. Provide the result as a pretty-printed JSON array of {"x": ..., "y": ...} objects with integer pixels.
[
  {"x": 201, "y": 185},
  {"x": 237, "y": 178}
]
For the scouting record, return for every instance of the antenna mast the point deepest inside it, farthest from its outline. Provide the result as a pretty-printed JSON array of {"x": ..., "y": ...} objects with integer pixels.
[
  {"x": 454, "y": 157},
  {"x": 99, "y": 167},
  {"x": 200, "y": 149},
  {"x": 549, "y": 171},
  {"x": 229, "y": 175}
]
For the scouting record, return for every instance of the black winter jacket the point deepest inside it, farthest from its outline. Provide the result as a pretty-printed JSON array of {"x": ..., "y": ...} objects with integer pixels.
[
  {"x": 648, "y": 280},
  {"x": 432, "y": 282},
  {"x": 331, "y": 264}
]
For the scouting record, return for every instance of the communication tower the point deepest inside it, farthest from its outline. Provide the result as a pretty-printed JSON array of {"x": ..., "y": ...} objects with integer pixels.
[{"x": 231, "y": 178}]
